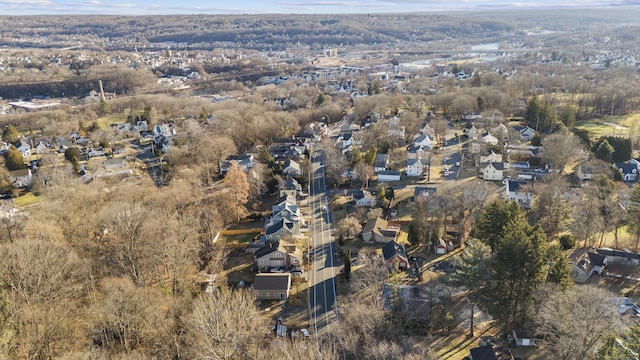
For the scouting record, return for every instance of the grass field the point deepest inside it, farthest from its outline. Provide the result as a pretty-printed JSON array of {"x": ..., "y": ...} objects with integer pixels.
[
  {"x": 617, "y": 125},
  {"x": 26, "y": 200}
]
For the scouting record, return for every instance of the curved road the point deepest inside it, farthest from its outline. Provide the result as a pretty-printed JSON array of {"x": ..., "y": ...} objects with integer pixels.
[{"x": 322, "y": 286}]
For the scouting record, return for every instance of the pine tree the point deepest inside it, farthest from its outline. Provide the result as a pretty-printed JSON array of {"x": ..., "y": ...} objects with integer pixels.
[
  {"x": 347, "y": 264},
  {"x": 14, "y": 161}
]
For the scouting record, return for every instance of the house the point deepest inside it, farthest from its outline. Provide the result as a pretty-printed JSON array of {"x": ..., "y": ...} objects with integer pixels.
[
  {"x": 283, "y": 202},
  {"x": 492, "y": 171},
  {"x": 114, "y": 164},
  {"x": 629, "y": 171},
  {"x": 364, "y": 198},
  {"x": 522, "y": 338},
  {"x": 422, "y": 192},
  {"x": 277, "y": 254},
  {"x": 423, "y": 141},
  {"x": 408, "y": 294},
  {"x": 490, "y": 352},
  {"x": 21, "y": 178},
  {"x": 96, "y": 152},
  {"x": 291, "y": 168},
  {"x": 25, "y": 149},
  {"x": 519, "y": 191},
  {"x": 395, "y": 256},
  {"x": 584, "y": 262},
  {"x": 288, "y": 212},
  {"x": 43, "y": 147},
  {"x": 472, "y": 132},
  {"x": 389, "y": 176},
  {"x": 416, "y": 152},
  {"x": 142, "y": 126},
  {"x": 526, "y": 133},
  {"x": 63, "y": 144},
  {"x": 487, "y": 138},
  {"x": 490, "y": 157},
  {"x": 414, "y": 167},
  {"x": 281, "y": 228},
  {"x": 272, "y": 286},
  {"x": 500, "y": 131},
  {"x": 378, "y": 230},
  {"x": 584, "y": 172},
  {"x": 290, "y": 187},
  {"x": 245, "y": 162},
  {"x": 166, "y": 130},
  {"x": 381, "y": 163}
]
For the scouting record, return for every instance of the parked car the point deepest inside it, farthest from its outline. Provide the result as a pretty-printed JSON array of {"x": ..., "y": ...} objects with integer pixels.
[
  {"x": 304, "y": 332},
  {"x": 276, "y": 270}
]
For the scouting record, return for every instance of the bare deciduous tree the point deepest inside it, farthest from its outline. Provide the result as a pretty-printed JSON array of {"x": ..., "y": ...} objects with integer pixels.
[{"x": 571, "y": 337}]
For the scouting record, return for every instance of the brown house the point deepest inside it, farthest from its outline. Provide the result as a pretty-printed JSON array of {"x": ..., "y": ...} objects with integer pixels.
[
  {"x": 378, "y": 230},
  {"x": 272, "y": 286}
]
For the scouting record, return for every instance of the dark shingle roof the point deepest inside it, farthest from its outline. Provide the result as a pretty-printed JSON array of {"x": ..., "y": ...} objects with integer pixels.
[
  {"x": 391, "y": 249},
  {"x": 272, "y": 281}
]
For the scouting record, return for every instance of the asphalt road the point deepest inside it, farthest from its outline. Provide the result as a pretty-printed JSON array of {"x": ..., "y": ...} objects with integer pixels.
[{"x": 322, "y": 293}]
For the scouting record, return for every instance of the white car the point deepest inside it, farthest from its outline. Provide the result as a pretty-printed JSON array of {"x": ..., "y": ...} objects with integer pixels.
[
  {"x": 304, "y": 332},
  {"x": 276, "y": 270},
  {"x": 324, "y": 208}
]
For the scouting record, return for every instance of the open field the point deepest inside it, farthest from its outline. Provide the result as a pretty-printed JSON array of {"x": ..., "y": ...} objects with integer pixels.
[{"x": 616, "y": 125}]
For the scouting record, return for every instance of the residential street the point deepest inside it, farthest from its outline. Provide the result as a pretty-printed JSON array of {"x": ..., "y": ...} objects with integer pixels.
[{"x": 322, "y": 286}]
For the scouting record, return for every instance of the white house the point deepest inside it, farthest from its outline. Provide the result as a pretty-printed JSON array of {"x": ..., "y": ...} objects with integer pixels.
[
  {"x": 291, "y": 168},
  {"x": 493, "y": 171},
  {"x": 414, "y": 167},
  {"x": 22, "y": 178},
  {"x": 492, "y": 156},
  {"x": 364, "y": 198},
  {"x": 629, "y": 171},
  {"x": 381, "y": 163},
  {"x": 25, "y": 149},
  {"x": 519, "y": 192},
  {"x": 423, "y": 141},
  {"x": 526, "y": 133},
  {"x": 490, "y": 139}
]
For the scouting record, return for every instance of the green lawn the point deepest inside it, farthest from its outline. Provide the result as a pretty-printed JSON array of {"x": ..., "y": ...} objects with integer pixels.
[
  {"x": 240, "y": 238},
  {"x": 26, "y": 199},
  {"x": 609, "y": 125},
  {"x": 247, "y": 225}
]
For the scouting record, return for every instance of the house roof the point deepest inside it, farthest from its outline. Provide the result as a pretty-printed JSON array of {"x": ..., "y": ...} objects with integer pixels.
[
  {"x": 489, "y": 352},
  {"x": 626, "y": 168},
  {"x": 377, "y": 223},
  {"x": 381, "y": 160},
  {"x": 389, "y": 172},
  {"x": 20, "y": 173},
  {"x": 278, "y": 225},
  {"x": 498, "y": 165},
  {"x": 514, "y": 186},
  {"x": 292, "y": 164},
  {"x": 411, "y": 162},
  {"x": 361, "y": 194},
  {"x": 272, "y": 281},
  {"x": 392, "y": 249},
  {"x": 291, "y": 184},
  {"x": 268, "y": 248}
]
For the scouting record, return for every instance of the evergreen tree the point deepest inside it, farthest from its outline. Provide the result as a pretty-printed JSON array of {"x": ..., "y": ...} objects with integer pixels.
[
  {"x": 104, "y": 107},
  {"x": 347, "y": 264},
  {"x": 14, "y": 161},
  {"x": 605, "y": 151},
  {"x": 10, "y": 134}
]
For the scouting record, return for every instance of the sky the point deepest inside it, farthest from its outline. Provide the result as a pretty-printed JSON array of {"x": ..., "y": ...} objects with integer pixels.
[{"x": 166, "y": 7}]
